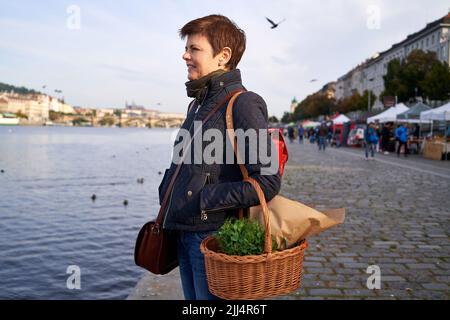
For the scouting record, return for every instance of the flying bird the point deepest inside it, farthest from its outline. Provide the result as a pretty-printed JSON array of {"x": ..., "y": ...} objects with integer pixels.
[
  {"x": 313, "y": 80},
  {"x": 274, "y": 25}
]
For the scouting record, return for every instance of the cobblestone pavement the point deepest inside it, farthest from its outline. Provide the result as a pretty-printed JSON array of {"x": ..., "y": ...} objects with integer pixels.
[{"x": 397, "y": 218}]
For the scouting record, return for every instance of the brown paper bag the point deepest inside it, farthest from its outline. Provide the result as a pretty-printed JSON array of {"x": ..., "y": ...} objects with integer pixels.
[{"x": 291, "y": 221}]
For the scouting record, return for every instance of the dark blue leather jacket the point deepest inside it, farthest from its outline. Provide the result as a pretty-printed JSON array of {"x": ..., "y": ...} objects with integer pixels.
[{"x": 204, "y": 195}]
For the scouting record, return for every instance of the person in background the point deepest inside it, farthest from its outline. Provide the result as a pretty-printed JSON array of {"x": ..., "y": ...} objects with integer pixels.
[
  {"x": 378, "y": 131},
  {"x": 330, "y": 133},
  {"x": 416, "y": 133},
  {"x": 370, "y": 140},
  {"x": 311, "y": 134},
  {"x": 385, "y": 136},
  {"x": 291, "y": 134},
  {"x": 401, "y": 134},
  {"x": 301, "y": 133},
  {"x": 322, "y": 136}
]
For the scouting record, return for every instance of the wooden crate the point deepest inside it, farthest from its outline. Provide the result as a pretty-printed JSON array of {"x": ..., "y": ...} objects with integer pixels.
[{"x": 433, "y": 150}]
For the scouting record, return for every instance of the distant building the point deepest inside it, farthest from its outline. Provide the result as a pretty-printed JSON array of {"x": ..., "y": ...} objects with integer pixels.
[
  {"x": 294, "y": 104},
  {"x": 58, "y": 105},
  {"x": 329, "y": 90},
  {"x": 34, "y": 106},
  {"x": 435, "y": 37}
]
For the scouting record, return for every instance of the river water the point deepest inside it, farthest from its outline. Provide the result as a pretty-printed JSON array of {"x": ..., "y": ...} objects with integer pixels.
[{"x": 48, "y": 221}]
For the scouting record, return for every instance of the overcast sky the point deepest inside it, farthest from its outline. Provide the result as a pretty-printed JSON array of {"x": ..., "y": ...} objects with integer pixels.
[{"x": 131, "y": 51}]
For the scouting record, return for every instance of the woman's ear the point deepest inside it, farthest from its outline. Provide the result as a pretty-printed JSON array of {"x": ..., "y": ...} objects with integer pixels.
[{"x": 225, "y": 56}]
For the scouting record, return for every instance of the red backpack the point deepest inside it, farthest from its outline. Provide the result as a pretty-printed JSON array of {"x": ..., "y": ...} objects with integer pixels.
[{"x": 279, "y": 142}]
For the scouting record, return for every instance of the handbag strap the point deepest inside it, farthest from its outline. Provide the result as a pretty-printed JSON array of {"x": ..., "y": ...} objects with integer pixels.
[
  {"x": 246, "y": 178},
  {"x": 162, "y": 209}
]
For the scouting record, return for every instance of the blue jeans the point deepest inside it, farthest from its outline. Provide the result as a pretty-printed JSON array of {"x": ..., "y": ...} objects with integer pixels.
[
  {"x": 192, "y": 266},
  {"x": 322, "y": 143},
  {"x": 370, "y": 147}
]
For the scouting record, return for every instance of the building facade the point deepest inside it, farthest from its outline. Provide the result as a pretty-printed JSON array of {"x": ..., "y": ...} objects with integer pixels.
[
  {"x": 34, "y": 106},
  {"x": 435, "y": 37}
]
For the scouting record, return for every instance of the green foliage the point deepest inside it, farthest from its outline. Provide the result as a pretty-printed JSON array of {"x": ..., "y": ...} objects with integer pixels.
[
  {"x": 242, "y": 237},
  {"x": 436, "y": 84},
  {"x": 287, "y": 117},
  {"x": 273, "y": 119},
  {"x": 53, "y": 115},
  {"x": 79, "y": 121},
  {"x": 313, "y": 106},
  {"x": 356, "y": 102},
  {"x": 21, "y": 90},
  {"x": 420, "y": 71},
  {"x": 107, "y": 121},
  {"x": 20, "y": 114}
]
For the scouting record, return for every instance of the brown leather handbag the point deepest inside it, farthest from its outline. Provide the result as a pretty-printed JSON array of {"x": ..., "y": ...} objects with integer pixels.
[{"x": 156, "y": 248}]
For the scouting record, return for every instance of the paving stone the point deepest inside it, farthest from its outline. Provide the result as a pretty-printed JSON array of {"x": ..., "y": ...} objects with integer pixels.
[
  {"x": 325, "y": 292},
  {"x": 401, "y": 226},
  {"x": 393, "y": 278},
  {"x": 436, "y": 286},
  {"x": 420, "y": 266},
  {"x": 359, "y": 292}
]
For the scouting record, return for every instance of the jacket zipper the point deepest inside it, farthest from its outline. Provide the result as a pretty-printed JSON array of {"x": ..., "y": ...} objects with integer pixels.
[{"x": 204, "y": 213}]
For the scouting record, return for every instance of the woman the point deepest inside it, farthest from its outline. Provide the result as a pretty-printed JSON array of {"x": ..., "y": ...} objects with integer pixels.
[{"x": 205, "y": 193}]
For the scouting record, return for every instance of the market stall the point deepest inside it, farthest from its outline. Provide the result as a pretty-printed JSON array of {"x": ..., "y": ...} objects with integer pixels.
[
  {"x": 338, "y": 129},
  {"x": 437, "y": 148},
  {"x": 389, "y": 115}
]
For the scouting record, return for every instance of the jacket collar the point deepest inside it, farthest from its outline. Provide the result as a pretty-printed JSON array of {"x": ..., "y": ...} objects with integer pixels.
[{"x": 222, "y": 81}]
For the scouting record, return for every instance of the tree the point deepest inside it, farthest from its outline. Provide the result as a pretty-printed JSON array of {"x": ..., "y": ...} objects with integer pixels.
[
  {"x": 107, "y": 121},
  {"x": 79, "y": 121},
  {"x": 364, "y": 104},
  {"x": 349, "y": 104},
  {"x": 273, "y": 119},
  {"x": 53, "y": 115},
  {"x": 313, "y": 106},
  {"x": 421, "y": 74},
  {"x": 287, "y": 117},
  {"x": 20, "y": 114},
  {"x": 393, "y": 81},
  {"x": 21, "y": 90},
  {"x": 436, "y": 85}
]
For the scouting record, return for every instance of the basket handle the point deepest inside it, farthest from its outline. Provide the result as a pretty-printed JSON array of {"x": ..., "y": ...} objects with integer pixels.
[
  {"x": 265, "y": 210},
  {"x": 253, "y": 182}
]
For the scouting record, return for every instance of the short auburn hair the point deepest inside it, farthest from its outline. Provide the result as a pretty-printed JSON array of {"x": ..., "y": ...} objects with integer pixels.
[{"x": 220, "y": 32}]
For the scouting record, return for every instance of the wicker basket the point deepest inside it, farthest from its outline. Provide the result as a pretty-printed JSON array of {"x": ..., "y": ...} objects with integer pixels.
[{"x": 253, "y": 277}]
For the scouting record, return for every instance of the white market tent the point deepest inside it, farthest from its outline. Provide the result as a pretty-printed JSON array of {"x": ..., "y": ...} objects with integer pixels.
[
  {"x": 439, "y": 114},
  {"x": 389, "y": 115},
  {"x": 341, "y": 119},
  {"x": 310, "y": 124}
]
